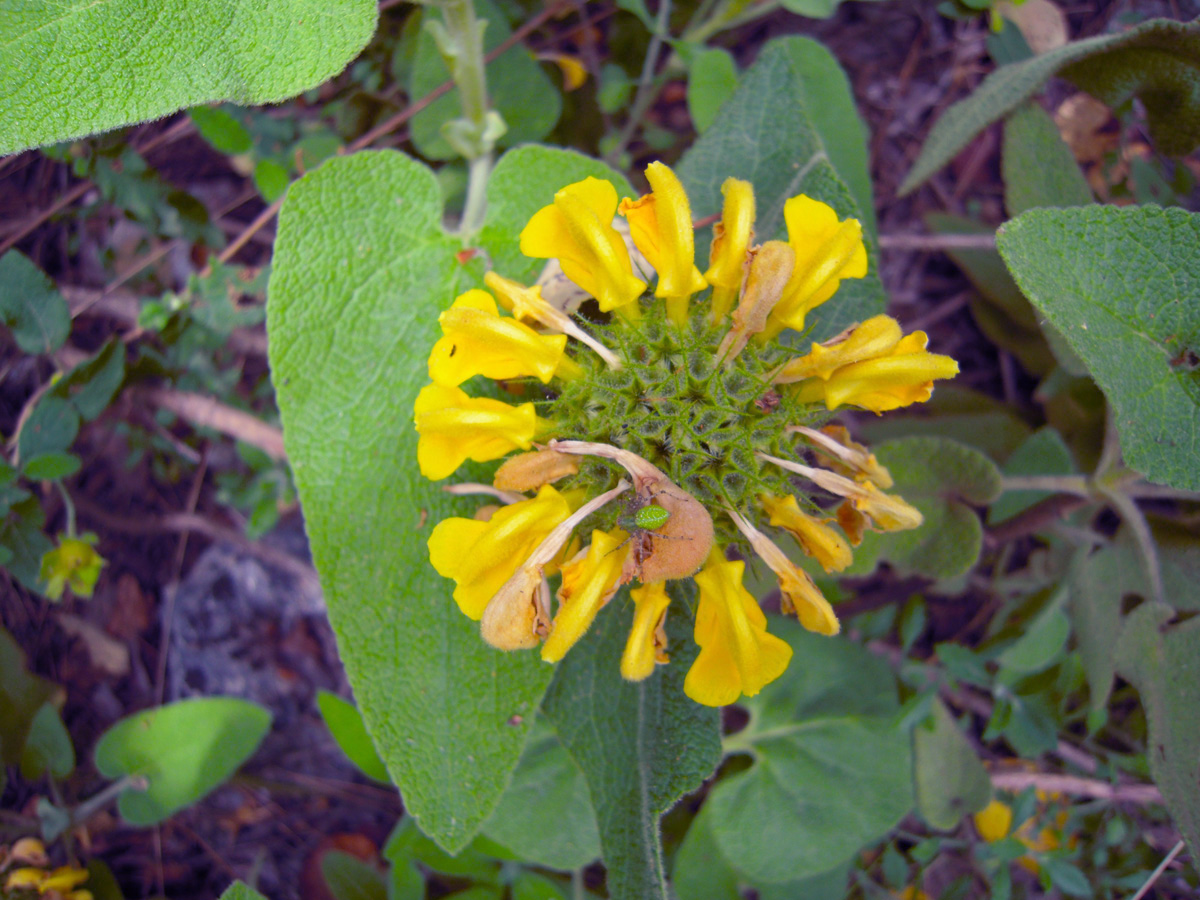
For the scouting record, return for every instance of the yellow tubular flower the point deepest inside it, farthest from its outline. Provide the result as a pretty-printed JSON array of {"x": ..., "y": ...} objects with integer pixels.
[
  {"x": 660, "y": 224},
  {"x": 481, "y": 556},
  {"x": 844, "y": 455},
  {"x": 737, "y": 655},
  {"x": 577, "y": 231},
  {"x": 587, "y": 584},
  {"x": 887, "y": 511},
  {"x": 874, "y": 337},
  {"x": 63, "y": 879},
  {"x": 902, "y": 377},
  {"x": 994, "y": 821},
  {"x": 478, "y": 341},
  {"x": 647, "y": 642},
  {"x": 731, "y": 241},
  {"x": 455, "y": 428},
  {"x": 826, "y": 252},
  {"x": 801, "y": 596},
  {"x": 24, "y": 879},
  {"x": 815, "y": 538}
]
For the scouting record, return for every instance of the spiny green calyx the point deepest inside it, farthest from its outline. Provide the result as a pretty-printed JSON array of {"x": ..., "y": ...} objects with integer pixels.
[{"x": 674, "y": 404}]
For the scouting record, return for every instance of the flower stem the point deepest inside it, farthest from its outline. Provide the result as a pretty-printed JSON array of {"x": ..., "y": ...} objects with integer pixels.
[{"x": 69, "y": 507}]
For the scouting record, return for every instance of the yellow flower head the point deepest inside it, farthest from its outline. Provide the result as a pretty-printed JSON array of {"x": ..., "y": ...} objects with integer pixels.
[
  {"x": 73, "y": 564},
  {"x": 577, "y": 231},
  {"x": 663, "y": 431}
]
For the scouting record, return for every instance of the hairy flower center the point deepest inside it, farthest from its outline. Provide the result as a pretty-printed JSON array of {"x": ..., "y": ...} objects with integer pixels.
[{"x": 672, "y": 403}]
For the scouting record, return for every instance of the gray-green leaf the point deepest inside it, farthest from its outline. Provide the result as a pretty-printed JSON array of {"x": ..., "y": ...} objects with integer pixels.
[
  {"x": 949, "y": 779},
  {"x": 832, "y": 767},
  {"x": 79, "y": 66},
  {"x": 1158, "y": 61},
  {"x": 1121, "y": 284},
  {"x": 791, "y": 128},
  {"x": 1039, "y": 168},
  {"x": 640, "y": 745}
]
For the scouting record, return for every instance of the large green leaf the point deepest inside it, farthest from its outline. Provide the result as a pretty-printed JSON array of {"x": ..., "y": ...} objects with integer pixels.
[
  {"x": 641, "y": 745},
  {"x": 362, "y": 269},
  {"x": 791, "y": 128},
  {"x": 832, "y": 767},
  {"x": 1120, "y": 284},
  {"x": 517, "y": 88},
  {"x": 943, "y": 479},
  {"x": 1161, "y": 657},
  {"x": 183, "y": 750},
  {"x": 1158, "y": 61},
  {"x": 545, "y": 817},
  {"x": 75, "y": 67}
]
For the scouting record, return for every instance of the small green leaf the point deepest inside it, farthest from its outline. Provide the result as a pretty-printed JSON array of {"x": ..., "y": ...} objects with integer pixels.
[
  {"x": 712, "y": 79},
  {"x": 640, "y": 745},
  {"x": 1039, "y": 168},
  {"x": 30, "y": 306},
  {"x": 346, "y": 725},
  {"x": 1157, "y": 61},
  {"x": 349, "y": 878},
  {"x": 1043, "y": 453},
  {"x": 79, "y": 67},
  {"x": 518, "y": 89},
  {"x": 239, "y": 890},
  {"x": 184, "y": 750},
  {"x": 21, "y": 534},
  {"x": 791, "y": 128},
  {"x": 225, "y": 133},
  {"x": 22, "y": 695},
  {"x": 1161, "y": 659},
  {"x": 48, "y": 747},
  {"x": 832, "y": 768},
  {"x": 50, "y": 428},
  {"x": 813, "y": 9},
  {"x": 702, "y": 873},
  {"x": 91, "y": 385},
  {"x": 51, "y": 466},
  {"x": 939, "y": 477},
  {"x": 1120, "y": 284},
  {"x": 271, "y": 179},
  {"x": 1041, "y": 642},
  {"x": 531, "y": 886},
  {"x": 546, "y": 817},
  {"x": 949, "y": 780}
]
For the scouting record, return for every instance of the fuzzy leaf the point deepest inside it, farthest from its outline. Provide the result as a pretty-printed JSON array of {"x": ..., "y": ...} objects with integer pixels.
[
  {"x": 712, "y": 79},
  {"x": 950, "y": 781},
  {"x": 640, "y": 745},
  {"x": 1120, "y": 284},
  {"x": 1158, "y": 61},
  {"x": 30, "y": 306},
  {"x": 832, "y": 768},
  {"x": 1161, "y": 658},
  {"x": 1039, "y": 168},
  {"x": 76, "y": 67}
]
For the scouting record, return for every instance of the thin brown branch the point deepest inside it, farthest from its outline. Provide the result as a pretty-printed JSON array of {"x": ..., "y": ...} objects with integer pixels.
[
  {"x": 937, "y": 242},
  {"x": 208, "y": 412},
  {"x": 1075, "y": 786}
]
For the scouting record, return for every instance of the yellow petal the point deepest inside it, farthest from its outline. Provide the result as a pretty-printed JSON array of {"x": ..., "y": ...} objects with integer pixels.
[
  {"x": 587, "y": 584},
  {"x": 994, "y": 821},
  {"x": 874, "y": 337},
  {"x": 647, "y": 641},
  {"x": 29, "y": 850},
  {"x": 902, "y": 377},
  {"x": 478, "y": 341},
  {"x": 63, "y": 879},
  {"x": 737, "y": 654},
  {"x": 732, "y": 237},
  {"x": 826, "y": 252},
  {"x": 482, "y": 556},
  {"x": 24, "y": 878},
  {"x": 529, "y": 471},
  {"x": 577, "y": 231},
  {"x": 661, "y": 226},
  {"x": 815, "y": 538},
  {"x": 455, "y": 427},
  {"x": 573, "y": 72}
]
